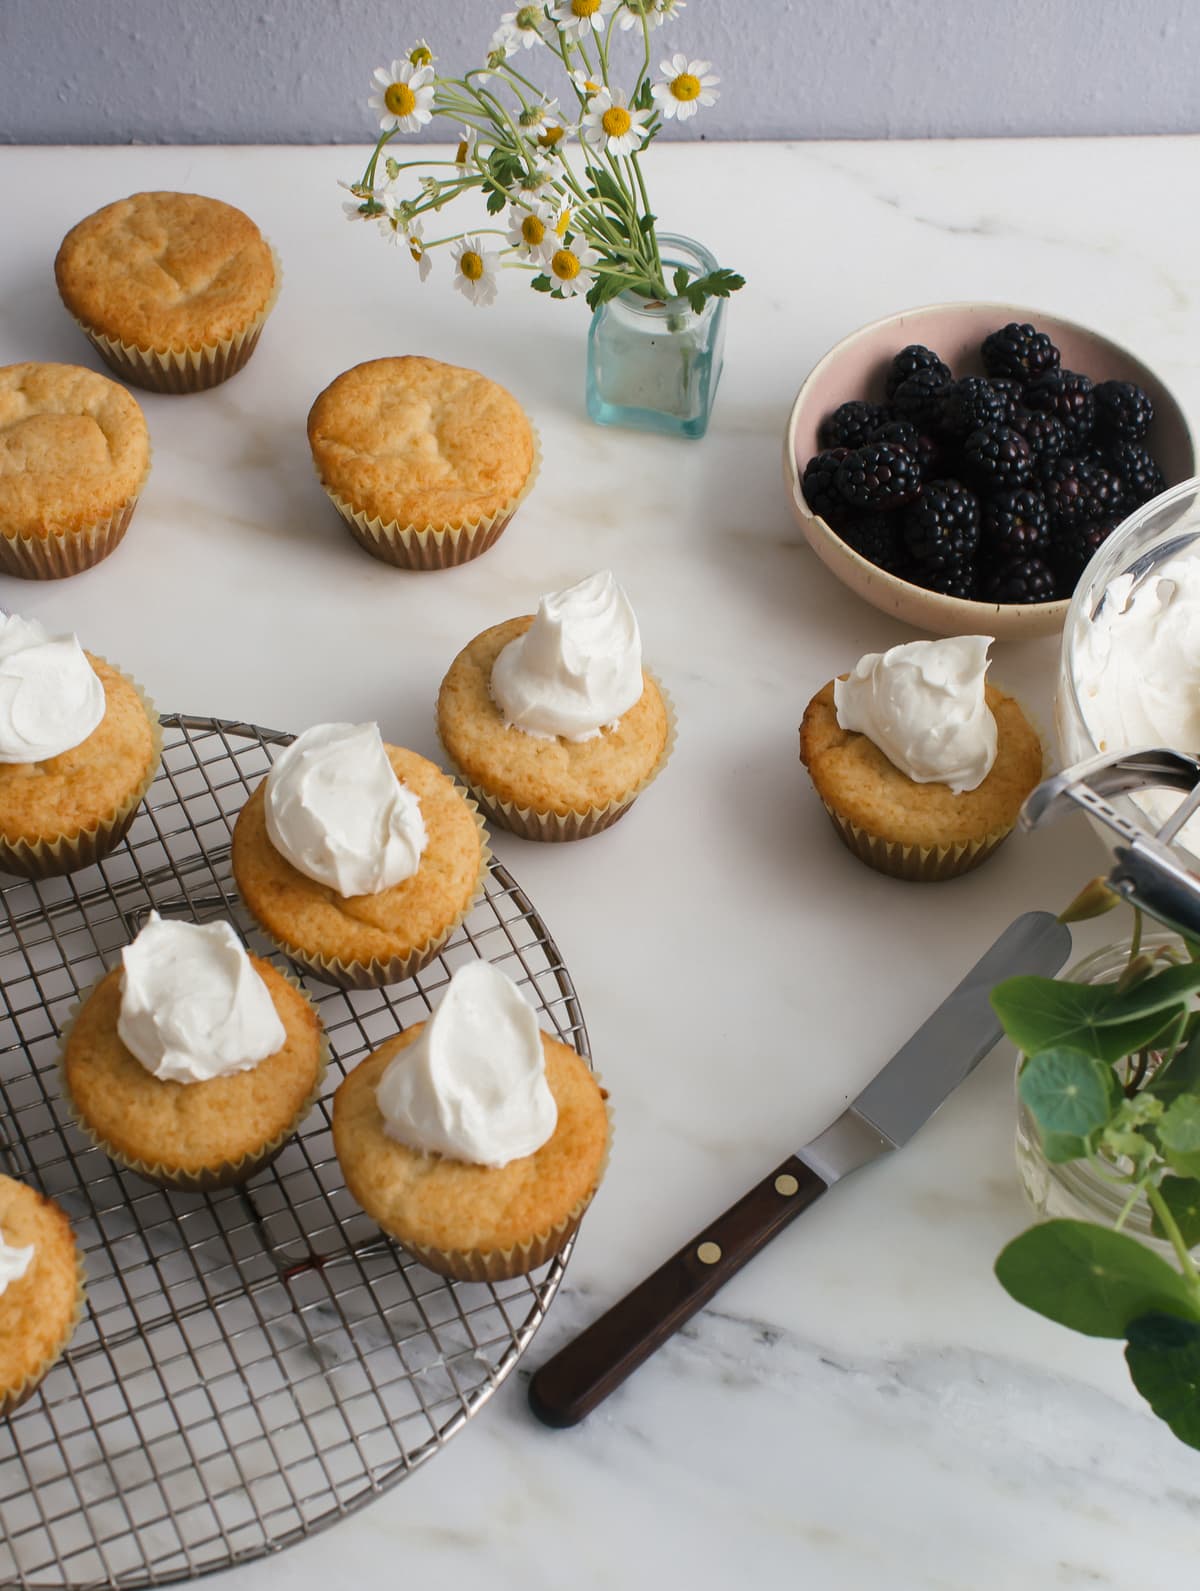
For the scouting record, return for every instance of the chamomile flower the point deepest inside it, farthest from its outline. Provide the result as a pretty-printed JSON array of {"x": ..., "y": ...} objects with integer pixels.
[
  {"x": 534, "y": 120},
  {"x": 413, "y": 236},
  {"x": 464, "y": 155},
  {"x": 421, "y": 54},
  {"x": 528, "y": 24},
  {"x": 586, "y": 85},
  {"x": 570, "y": 268},
  {"x": 364, "y": 203},
  {"x": 503, "y": 44},
  {"x": 531, "y": 232},
  {"x": 610, "y": 124},
  {"x": 577, "y": 18},
  {"x": 475, "y": 270},
  {"x": 685, "y": 87},
  {"x": 403, "y": 97},
  {"x": 654, "y": 12}
]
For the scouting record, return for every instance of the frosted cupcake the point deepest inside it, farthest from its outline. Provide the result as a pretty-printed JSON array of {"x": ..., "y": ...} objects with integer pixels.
[
  {"x": 551, "y": 719},
  {"x": 193, "y": 1063},
  {"x": 426, "y": 462},
  {"x": 358, "y": 858},
  {"x": 473, "y": 1139},
  {"x": 74, "y": 456},
  {"x": 171, "y": 289},
  {"x": 922, "y": 765},
  {"x": 41, "y": 1289},
  {"x": 79, "y": 746}
]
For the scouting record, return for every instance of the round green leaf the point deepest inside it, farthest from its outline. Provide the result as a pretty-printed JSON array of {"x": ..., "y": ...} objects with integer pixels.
[
  {"x": 1070, "y": 1093},
  {"x": 1163, "y": 1355},
  {"x": 1179, "y": 1125},
  {"x": 1181, "y": 1195},
  {"x": 1089, "y": 1278}
]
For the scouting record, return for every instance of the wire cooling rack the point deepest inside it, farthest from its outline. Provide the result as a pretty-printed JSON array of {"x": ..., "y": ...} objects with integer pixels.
[{"x": 255, "y": 1363}]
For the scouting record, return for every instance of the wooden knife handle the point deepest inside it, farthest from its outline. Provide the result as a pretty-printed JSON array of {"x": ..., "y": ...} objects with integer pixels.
[{"x": 581, "y": 1375}]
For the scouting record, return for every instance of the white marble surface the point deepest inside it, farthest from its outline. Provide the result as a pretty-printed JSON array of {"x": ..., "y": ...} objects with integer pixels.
[{"x": 863, "y": 1406}]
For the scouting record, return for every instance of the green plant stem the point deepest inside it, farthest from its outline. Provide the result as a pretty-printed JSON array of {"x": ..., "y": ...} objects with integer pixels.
[
  {"x": 1167, "y": 1221},
  {"x": 1135, "y": 1193}
]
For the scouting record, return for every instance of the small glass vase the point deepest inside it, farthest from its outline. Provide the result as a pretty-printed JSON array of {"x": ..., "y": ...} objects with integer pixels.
[
  {"x": 654, "y": 364},
  {"x": 1075, "y": 1190}
]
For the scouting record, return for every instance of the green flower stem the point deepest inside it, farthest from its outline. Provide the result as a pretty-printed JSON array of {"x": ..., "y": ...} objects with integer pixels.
[
  {"x": 1135, "y": 1194},
  {"x": 1167, "y": 1221}
]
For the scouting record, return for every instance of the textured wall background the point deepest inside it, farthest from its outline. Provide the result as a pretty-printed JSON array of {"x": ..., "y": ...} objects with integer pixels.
[{"x": 296, "y": 71}]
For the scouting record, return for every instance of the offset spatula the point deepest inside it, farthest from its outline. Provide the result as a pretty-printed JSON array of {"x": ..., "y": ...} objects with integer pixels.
[{"x": 923, "y": 1072}]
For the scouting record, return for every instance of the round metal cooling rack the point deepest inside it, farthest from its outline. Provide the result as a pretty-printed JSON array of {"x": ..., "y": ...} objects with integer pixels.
[{"x": 256, "y": 1363}]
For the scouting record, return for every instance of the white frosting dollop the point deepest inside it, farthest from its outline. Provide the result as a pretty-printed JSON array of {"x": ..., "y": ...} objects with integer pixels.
[
  {"x": 51, "y": 698},
  {"x": 923, "y": 705},
  {"x": 192, "y": 1006},
  {"x": 472, "y": 1084},
  {"x": 336, "y": 810},
  {"x": 577, "y": 668},
  {"x": 14, "y": 1262}
]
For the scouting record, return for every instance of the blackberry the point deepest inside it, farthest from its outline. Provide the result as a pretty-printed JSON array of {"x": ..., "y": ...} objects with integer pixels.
[
  {"x": 819, "y": 483},
  {"x": 851, "y": 424},
  {"x": 875, "y": 537},
  {"x": 1016, "y": 525},
  {"x": 1071, "y": 398},
  {"x": 932, "y": 457},
  {"x": 1123, "y": 411},
  {"x": 1020, "y": 351},
  {"x": 1013, "y": 394},
  {"x": 1072, "y": 550},
  {"x": 997, "y": 458},
  {"x": 879, "y": 476},
  {"x": 908, "y": 361},
  {"x": 919, "y": 397},
  {"x": 1140, "y": 477},
  {"x": 1022, "y": 580},
  {"x": 902, "y": 432},
  {"x": 1078, "y": 492},
  {"x": 956, "y": 579},
  {"x": 1045, "y": 433},
  {"x": 941, "y": 529},
  {"x": 970, "y": 404}
]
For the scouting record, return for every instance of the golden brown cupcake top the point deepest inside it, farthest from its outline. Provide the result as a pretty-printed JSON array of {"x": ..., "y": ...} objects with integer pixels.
[
  {"x": 166, "y": 271},
  {"x": 36, "y": 1310},
  {"x": 556, "y": 775},
  {"x": 413, "y": 442},
  {"x": 87, "y": 785},
  {"x": 862, "y": 785},
  {"x": 73, "y": 447},
  {"x": 190, "y": 1128},
  {"x": 446, "y": 1204}
]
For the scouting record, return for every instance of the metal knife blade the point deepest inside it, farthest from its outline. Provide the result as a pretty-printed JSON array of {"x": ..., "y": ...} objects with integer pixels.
[{"x": 921, "y": 1075}]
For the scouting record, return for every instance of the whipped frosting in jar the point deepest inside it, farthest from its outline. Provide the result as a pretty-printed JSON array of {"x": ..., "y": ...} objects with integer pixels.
[
  {"x": 51, "y": 698},
  {"x": 14, "y": 1262},
  {"x": 923, "y": 705},
  {"x": 577, "y": 668},
  {"x": 192, "y": 1006},
  {"x": 336, "y": 810},
  {"x": 472, "y": 1084}
]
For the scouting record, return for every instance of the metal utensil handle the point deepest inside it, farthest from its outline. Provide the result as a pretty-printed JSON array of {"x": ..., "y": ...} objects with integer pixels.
[{"x": 581, "y": 1375}]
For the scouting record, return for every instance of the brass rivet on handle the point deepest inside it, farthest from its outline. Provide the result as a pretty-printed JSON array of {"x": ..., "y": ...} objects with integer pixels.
[
  {"x": 786, "y": 1184},
  {"x": 708, "y": 1253}
]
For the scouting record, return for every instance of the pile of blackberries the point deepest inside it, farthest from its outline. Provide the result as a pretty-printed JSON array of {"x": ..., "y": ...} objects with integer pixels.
[{"x": 996, "y": 487}]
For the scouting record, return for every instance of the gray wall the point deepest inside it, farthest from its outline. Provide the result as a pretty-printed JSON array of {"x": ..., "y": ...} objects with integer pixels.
[{"x": 296, "y": 71}]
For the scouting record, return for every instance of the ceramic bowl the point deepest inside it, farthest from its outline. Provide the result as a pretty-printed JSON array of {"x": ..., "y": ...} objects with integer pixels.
[{"x": 857, "y": 367}]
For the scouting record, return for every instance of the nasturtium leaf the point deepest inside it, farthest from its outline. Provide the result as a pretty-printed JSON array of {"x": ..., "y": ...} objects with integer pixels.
[
  {"x": 1090, "y": 1278},
  {"x": 1181, "y": 1195},
  {"x": 1068, "y": 1092},
  {"x": 1180, "y": 1075},
  {"x": 1059, "y": 1147},
  {"x": 1179, "y": 1125},
  {"x": 1044, "y": 1014},
  {"x": 1163, "y": 1355}
]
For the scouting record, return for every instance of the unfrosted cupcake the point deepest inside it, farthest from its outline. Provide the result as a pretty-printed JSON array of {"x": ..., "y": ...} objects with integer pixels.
[
  {"x": 74, "y": 456},
  {"x": 359, "y": 859},
  {"x": 171, "y": 289},
  {"x": 922, "y": 766},
  {"x": 551, "y": 719},
  {"x": 79, "y": 746},
  {"x": 473, "y": 1139},
  {"x": 425, "y": 462},
  {"x": 41, "y": 1289},
  {"x": 193, "y": 1063}
]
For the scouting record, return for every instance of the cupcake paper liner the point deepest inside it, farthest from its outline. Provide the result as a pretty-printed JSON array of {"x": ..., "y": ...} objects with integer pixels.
[
  {"x": 229, "y": 1172},
  {"x": 180, "y": 370},
  {"x": 69, "y": 852},
  {"x": 376, "y": 974},
  {"x": 12, "y": 1398},
  {"x": 927, "y": 864},
  {"x": 553, "y": 827},
  {"x": 68, "y": 552},
  {"x": 428, "y": 547}
]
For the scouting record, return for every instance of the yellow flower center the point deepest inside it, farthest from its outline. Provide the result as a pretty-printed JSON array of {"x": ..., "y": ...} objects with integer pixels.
[
  {"x": 422, "y": 55},
  {"x": 471, "y": 265},
  {"x": 533, "y": 230},
  {"x": 584, "y": 8},
  {"x": 460, "y": 154},
  {"x": 527, "y": 18},
  {"x": 686, "y": 87},
  {"x": 565, "y": 265},
  {"x": 400, "y": 99},
  {"x": 549, "y": 136},
  {"x": 563, "y": 222},
  {"x": 415, "y": 250},
  {"x": 615, "y": 121}
]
